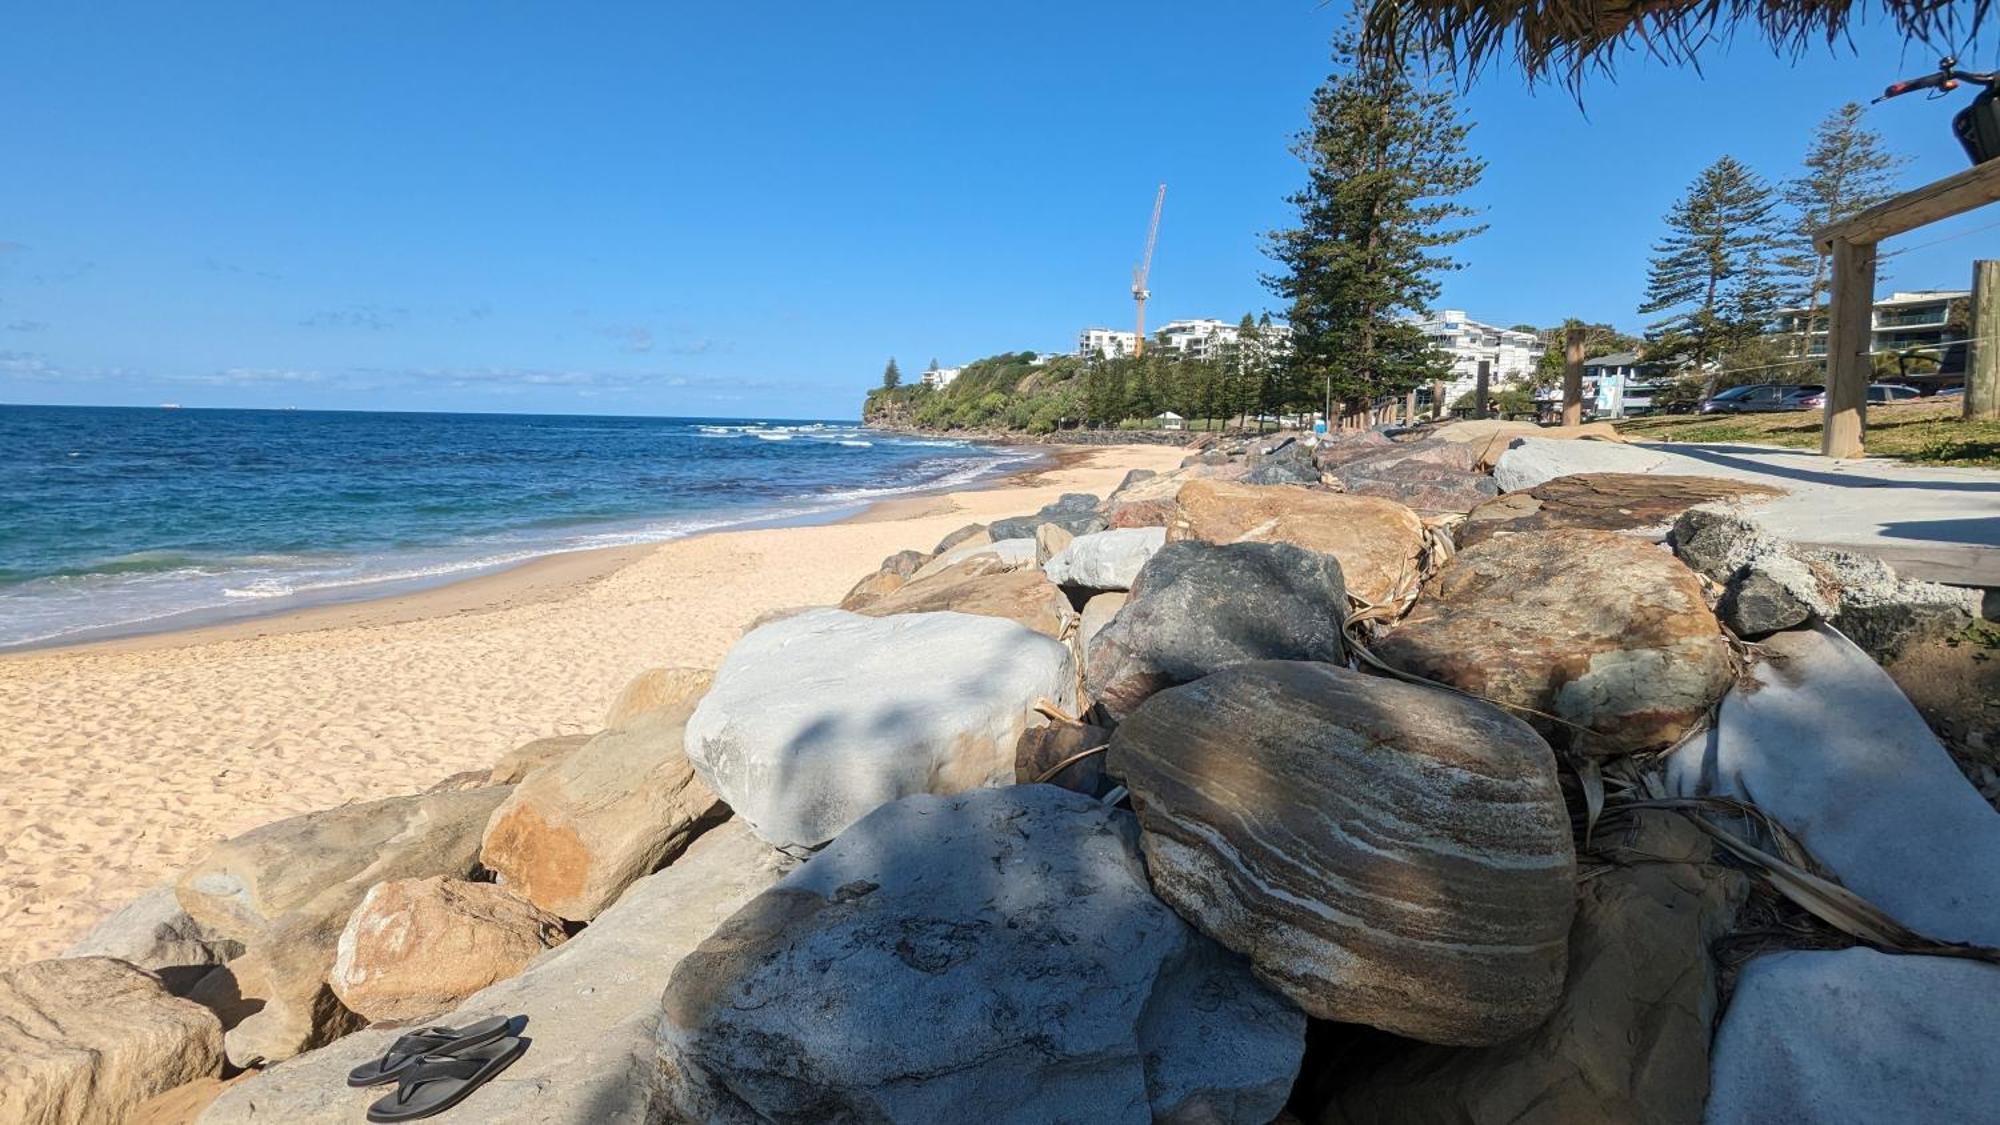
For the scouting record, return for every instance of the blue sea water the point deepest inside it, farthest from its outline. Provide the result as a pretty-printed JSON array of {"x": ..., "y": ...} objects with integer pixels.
[{"x": 122, "y": 520}]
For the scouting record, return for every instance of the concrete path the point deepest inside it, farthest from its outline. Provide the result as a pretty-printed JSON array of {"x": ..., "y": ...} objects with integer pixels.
[{"x": 1930, "y": 522}]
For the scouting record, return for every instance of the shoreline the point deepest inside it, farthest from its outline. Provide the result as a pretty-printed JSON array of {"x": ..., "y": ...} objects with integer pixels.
[
  {"x": 126, "y": 759},
  {"x": 541, "y": 578}
]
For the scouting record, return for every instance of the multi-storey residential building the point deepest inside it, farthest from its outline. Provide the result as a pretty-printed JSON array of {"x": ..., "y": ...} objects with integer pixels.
[
  {"x": 1106, "y": 343},
  {"x": 1205, "y": 338},
  {"x": 939, "y": 378},
  {"x": 1510, "y": 354},
  {"x": 1919, "y": 321}
]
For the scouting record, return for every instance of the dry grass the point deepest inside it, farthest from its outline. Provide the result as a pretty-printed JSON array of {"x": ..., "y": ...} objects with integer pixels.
[{"x": 1930, "y": 433}]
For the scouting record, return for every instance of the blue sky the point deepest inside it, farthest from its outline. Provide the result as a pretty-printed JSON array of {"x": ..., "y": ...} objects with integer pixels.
[{"x": 731, "y": 209}]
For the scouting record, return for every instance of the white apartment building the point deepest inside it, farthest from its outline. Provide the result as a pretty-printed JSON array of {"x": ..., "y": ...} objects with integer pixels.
[
  {"x": 1106, "y": 343},
  {"x": 1510, "y": 355},
  {"x": 1195, "y": 339},
  {"x": 940, "y": 378}
]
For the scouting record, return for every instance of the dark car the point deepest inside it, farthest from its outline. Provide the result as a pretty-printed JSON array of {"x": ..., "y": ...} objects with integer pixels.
[{"x": 1760, "y": 398}]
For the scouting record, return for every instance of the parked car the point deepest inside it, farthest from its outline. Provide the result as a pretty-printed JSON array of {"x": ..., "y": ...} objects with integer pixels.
[
  {"x": 1878, "y": 393},
  {"x": 1760, "y": 398}
]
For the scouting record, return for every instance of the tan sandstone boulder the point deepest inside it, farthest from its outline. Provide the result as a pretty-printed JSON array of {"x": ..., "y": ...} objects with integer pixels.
[
  {"x": 894, "y": 571},
  {"x": 416, "y": 947},
  {"x": 1606, "y": 501},
  {"x": 286, "y": 890},
  {"x": 1379, "y": 542},
  {"x": 1383, "y": 853},
  {"x": 1630, "y": 1040},
  {"x": 525, "y": 759},
  {"x": 1604, "y": 631},
  {"x": 85, "y": 1040},
  {"x": 1023, "y": 596},
  {"x": 657, "y": 689},
  {"x": 570, "y": 838}
]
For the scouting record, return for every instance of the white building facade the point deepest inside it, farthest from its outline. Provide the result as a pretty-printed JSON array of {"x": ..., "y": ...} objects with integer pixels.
[
  {"x": 939, "y": 378},
  {"x": 1194, "y": 339},
  {"x": 1106, "y": 343},
  {"x": 1511, "y": 355}
]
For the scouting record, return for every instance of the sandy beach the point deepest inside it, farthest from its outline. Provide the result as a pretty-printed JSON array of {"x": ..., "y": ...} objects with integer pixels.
[{"x": 120, "y": 762}]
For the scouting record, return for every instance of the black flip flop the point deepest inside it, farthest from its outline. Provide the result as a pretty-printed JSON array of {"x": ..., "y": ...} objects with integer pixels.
[
  {"x": 411, "y": 1048},
  {"x": 442, "y": 1081}
]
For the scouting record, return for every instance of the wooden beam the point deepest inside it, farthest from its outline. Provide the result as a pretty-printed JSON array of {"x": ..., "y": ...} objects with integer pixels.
[
  {"x": 1437, "y": 400},
  {"x": 1410, "y": 409},
  {"x": 1849, "y": 329},
  {"x": 1954, "y": 195},
  {"x": 1982, "y": 361},
  {"x": 1481, "y": 388},
  {"x": 1573, "y": 377}
]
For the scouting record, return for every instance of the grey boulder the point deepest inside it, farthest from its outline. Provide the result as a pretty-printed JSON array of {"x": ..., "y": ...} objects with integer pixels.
[
  {"x": 816, "y": 720},
  {"x": 1197, "y": 608},
  {"x": 1105, "y": 560},
  {"x": 992, "y": 957},
  {"x": 1857, "y": 1037},
  {"x": 156, "y": 934},
  {"x": 1074, "y": 512},
  {"x": 1821, "y": 738}
]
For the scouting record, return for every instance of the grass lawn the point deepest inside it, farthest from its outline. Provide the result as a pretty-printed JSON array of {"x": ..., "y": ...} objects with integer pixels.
[{"x": 1930, "y": 433}]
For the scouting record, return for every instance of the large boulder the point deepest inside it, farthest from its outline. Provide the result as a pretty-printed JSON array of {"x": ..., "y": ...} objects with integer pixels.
[
  {"x": 1628, "y": 1042},
  {"x": 1343, "y": 446},
  {"x": 817, "y": 720},
  {"x": 1197, "y": 609},
  {"x": 573, "y": 836},
  {"x": 1150, "y": 502},
  {"x": 994, "y": 957},
  {"x": 1074, "y": 512},
  {"x": 894, "y": 571},
  {"x": 1421, "y": 486},
  {"x": 657, "y": 690},
  {"x": 1379, "y": 542},
  {"x": 1605, "y": 501},
  {"x": 416, "y": 947},
  {"x": 1025, "y": 597},
  {"x": 590, "y": 1006},
  {"x": 155, "y": 933},
  {"x": 1855, "y": 1037},
  {"x": 1603, "y": 631},
  {"x": 1107, "y": 560},
  {"x": 516, "y": 764},
  {"x": 85, "y": 1040},
  {"x": 984, "y": 558},
  {"x": 1097, "y": 613},
  {"x": 1820, "y": 737},
  {"x": 286, "y": 890},
  {"x": 1384, "y": 853}
]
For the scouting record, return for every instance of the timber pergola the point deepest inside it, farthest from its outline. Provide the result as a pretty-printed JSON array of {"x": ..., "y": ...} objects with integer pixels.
[{"x": 1850, "y": 308}]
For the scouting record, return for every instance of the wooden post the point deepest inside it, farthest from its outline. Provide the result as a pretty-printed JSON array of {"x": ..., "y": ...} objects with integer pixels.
[
  {"x": 1437, "y": 401},
  {"x": 1573, "y": 377},
  {"x": 1481, "y": 388},
  {"x": 1982, "y": 357},
  {"x": 1410, "y": 408},
  {"x": 1849, "y": 331}
]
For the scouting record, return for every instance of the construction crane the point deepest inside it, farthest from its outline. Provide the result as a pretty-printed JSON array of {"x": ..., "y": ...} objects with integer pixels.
[{"x": 1145, "y": 267}]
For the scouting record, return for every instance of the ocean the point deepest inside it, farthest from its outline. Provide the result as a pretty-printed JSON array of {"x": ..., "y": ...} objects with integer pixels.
[{"x": 126, "y": 520}]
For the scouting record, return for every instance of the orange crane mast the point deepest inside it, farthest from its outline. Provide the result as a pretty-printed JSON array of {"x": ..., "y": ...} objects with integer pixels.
[{"x": 1143, "y": 269}]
